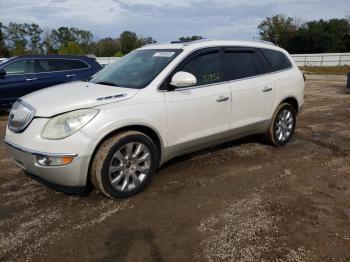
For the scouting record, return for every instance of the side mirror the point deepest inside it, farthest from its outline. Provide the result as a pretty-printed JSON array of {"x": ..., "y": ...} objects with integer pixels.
[
  {"x": 2, "y": 73},
  {"x": 183, "y": 79}
]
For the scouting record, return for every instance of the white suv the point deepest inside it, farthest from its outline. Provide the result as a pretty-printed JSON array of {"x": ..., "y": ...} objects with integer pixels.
[{"x": 156, "y": 103}]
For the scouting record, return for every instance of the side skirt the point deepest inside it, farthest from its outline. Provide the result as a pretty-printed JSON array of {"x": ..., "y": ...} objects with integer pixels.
[{"x": 213, "y": 140}]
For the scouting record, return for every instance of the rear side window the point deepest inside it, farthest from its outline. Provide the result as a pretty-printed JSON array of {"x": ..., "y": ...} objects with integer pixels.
[
  {"x": 206, "y": 68},
  {"x": 53, "y": 65},
  {"x": 241, "y": 65},
  {"x": 73, "y": 64},
  {"x": 277, "y": 60}
]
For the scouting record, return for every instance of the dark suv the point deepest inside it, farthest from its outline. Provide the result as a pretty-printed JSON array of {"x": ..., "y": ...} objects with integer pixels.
[{"x": 21, "y": 75}]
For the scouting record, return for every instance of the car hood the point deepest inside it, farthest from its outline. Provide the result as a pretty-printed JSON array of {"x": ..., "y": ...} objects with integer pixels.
[{"x": 67, "y": 97}]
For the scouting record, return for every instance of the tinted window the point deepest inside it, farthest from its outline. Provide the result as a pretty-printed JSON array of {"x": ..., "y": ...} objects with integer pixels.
[
  {"x": 241, "y": 64},
  {"x": 206, "y": 68},
  {"x": 73, "y": 64},
  {"x": 277, "y": 60},
  {"x": 24, "y": 66},
  {"x": 49, "y": 65}
]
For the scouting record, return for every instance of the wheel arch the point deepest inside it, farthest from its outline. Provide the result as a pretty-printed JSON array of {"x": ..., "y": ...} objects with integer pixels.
[
  {"x": 292, "y": 101},
  {"x": 149, "y": 131}
]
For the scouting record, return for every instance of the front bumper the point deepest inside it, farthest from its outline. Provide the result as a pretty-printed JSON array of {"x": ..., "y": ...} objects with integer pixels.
[
  {"x": 64, "y": 175},
  {"x": 25, "y": 148}
]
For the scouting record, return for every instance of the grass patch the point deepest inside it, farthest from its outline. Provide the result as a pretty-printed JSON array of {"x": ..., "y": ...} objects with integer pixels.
[{"x": 326, "y": 70}]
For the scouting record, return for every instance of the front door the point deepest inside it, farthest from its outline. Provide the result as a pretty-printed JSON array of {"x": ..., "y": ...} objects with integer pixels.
[
  {"x": 20, "y": 79},
  {"x": 198, "y": 115}
]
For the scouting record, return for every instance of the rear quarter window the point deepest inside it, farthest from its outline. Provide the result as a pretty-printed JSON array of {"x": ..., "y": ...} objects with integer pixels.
[{"x": 276, "y": 59}]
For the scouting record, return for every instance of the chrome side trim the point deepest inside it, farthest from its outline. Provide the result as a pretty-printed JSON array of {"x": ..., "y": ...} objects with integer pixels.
[{"x": 36, "y": 153}]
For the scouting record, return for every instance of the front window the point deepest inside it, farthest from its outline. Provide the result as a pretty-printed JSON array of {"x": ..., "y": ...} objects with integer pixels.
[
  {"x": 137, "y": 69},
  {"x": 20, "y": 67},
  {"x": 206, "y": 68}
]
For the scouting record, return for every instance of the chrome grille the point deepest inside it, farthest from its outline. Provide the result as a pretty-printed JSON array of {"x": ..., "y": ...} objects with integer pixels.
[{"x": 21, "y": 115}]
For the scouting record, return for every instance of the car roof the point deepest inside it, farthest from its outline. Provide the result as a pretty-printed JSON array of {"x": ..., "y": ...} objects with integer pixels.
[
  {"x": 211, "y": 43},
  {"x": 51, "y": 56}
]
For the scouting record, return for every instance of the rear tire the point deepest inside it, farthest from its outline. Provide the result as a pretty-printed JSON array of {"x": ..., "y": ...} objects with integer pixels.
[
  {"x": 124, "y": 164},
  {"x": 282, "y": 125}
]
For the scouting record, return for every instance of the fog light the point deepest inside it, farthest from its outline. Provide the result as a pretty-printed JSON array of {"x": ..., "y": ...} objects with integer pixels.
[{"x": 54, "y": 160}]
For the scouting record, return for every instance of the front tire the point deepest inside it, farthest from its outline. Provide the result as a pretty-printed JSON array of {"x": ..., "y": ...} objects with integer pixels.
[
  {"x": 282, "y": 125},
  {"x": 124, "y": 164}
]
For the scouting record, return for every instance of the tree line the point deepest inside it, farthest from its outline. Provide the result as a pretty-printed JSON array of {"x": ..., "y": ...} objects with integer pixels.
[
  {"x": 31, "y": 39},
  {"x": 319, "y": 36}
]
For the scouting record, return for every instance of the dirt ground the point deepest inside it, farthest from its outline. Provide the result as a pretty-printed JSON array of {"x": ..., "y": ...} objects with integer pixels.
[{"x": 241, "y": 201}]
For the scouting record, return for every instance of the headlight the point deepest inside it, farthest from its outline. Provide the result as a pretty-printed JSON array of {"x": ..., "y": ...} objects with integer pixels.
[{"x": 67, "y": 124}]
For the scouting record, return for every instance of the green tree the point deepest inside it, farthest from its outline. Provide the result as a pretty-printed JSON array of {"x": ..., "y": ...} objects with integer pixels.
[
  {"x": 83, "y": 38},
  {"x": 49, "y": 44},
  {"x": 118, "y": 54},
  {"x": 128, "y": 41},
  {"x": 62, "y": 36},
  {"x": 4, "y": 52},
  {"x": 71, "y": 48},
  {"x": 34, "y": 33},
  {"x": 277, "y": 29},
  {"x": 322, "y": 36},
  {"x": 16, "y": 38},
  {"x": 107, "y": 47}
]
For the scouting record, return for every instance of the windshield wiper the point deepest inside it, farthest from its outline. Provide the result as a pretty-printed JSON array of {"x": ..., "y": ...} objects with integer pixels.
[{"x": 106, "y": 83}]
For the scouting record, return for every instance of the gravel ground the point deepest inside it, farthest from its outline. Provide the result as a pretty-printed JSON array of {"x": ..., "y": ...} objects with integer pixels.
[{"x": 241, "y": 201}]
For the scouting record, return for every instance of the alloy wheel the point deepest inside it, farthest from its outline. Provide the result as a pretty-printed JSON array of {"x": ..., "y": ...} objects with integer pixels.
[
  {"x": 284, "y": 125},
  {"x": 129, "y": 166}
]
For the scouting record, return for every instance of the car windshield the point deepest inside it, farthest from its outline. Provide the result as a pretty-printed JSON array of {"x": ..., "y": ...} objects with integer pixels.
[{"x": 137, "y": 69}]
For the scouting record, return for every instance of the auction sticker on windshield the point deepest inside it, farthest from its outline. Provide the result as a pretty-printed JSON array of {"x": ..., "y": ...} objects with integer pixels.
[{"x": 164, "y": 54}]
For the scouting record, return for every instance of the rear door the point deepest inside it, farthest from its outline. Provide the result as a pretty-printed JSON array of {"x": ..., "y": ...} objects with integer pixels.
[
  {"x": 54, "y": 71},
  {"x": 75, "y": 69},
  {"x": 49, "y": 72},
  {"x": 198, "y": 115},
  {"x": 252, "y": 90}
]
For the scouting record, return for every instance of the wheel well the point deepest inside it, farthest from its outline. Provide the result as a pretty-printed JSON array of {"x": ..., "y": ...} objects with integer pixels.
[
  {"x": 143, "y": 129},
  {"x": 292, "y": 101}
]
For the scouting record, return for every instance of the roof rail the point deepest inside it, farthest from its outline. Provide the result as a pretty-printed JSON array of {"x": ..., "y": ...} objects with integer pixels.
[
  {"x": 181, "y": 41},
  {"x": 263, "y": 42},
  {"x": 189, "y": 42}
]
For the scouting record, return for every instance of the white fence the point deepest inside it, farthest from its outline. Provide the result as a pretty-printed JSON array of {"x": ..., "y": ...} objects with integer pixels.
[{"x": 331, "y": 59}]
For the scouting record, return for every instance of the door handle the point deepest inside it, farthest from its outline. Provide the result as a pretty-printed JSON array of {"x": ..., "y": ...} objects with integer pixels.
[
  {"x": 31, "y": 79},
  {"x": 267, "y": 89},
  {"x": 222, "y": 98},
  {"x": 70, "y": 76}
]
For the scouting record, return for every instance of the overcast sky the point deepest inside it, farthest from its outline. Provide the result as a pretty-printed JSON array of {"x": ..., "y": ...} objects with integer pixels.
[{"x": 167, "y": 20}]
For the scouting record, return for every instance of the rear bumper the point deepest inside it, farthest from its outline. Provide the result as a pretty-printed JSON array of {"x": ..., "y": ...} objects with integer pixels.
[{"x": 64, "y": 176}]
